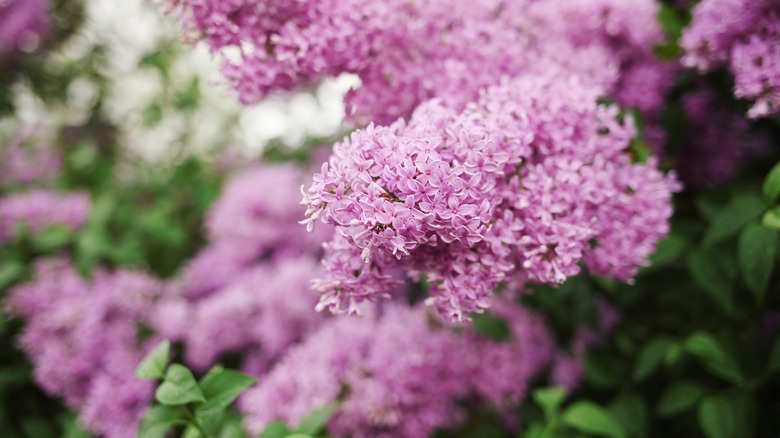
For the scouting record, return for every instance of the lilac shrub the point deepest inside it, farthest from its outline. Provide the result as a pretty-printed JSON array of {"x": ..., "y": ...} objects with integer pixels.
[
  {"x": 743, "y": 35},
  {"x": 522, "y": 185}
]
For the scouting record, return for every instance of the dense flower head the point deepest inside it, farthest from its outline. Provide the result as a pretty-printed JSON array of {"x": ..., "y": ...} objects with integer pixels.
[
  {"x": 23, "y": 23},
  {"x": 405, "y": 53},
  {"x": 399, "y": 372},
  {"x": 745, "y": 36},
  {"x": 84, "y": 339},
  {"x": 264, "y": 310},
  {"x": 500, "y": 372},
  {"x": 514, "y": 187},
  {"x": 40, "y": 209}
]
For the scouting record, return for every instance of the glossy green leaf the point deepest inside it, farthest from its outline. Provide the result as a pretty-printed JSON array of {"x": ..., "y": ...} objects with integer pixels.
[
  {"x": 650, "y": 356},
  {"x": 713, "y": 356},
  {"x": 717, "y": 417},
  {"x": 591, "y": 418},
  {"x": 220, "y": 388},
  {"x": 679, "y": 397},
  {"x": 707, "y": 274},
  {"x": 315, "y": 422},
  {"x": 771, "y": 219},
  {"x": 275, "y": 429},
  {"x": 158, "y": 421},
  {"x": 179, "y": 387},
  {"x": 491, "y": 327},
  {"x": 771, "y": 187},
  {"x": 756, "y": 257},
  {"x": 550, "y": 399},
  {"x": 731, "y": 218},
  {"x": 153, "y": 365},
  {"x": 631, "y": 412},
  {"x": 773, "y": 364}
]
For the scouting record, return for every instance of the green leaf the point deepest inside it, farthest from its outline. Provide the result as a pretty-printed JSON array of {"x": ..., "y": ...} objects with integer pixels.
[
  {"x": 491, "y": 327},
  {"x": 772, "y": 185},
  {"x": 771, "y": 219},
  {"x": 158, "y": 421},
  {"x": 549, "y": 399},
  {"x": 717, "y": 417},
  {"x": 650, "y": 357},
  {"x": 220, "y": 388},
  {"x": 731, "y": 218},
  {"x": 679, "y": 397},
  {"x": 314, "y": 423},
  {"x": 707, "y": 274},
  {"x": 756, "y": 257},
  {"x": 10, "y": 272},
  {"x": 53, "y": 238},
  {"x": 179, "y": 387},
  {"x": 153, "y": 365},
  {"x": 670, "y": 21},
  {"x": 713, "y": 356},
  {"x": 773, "y": 364},
  {"x": 668, "y": 250},
  {"x": 631, "y": 412},
  {"x": 275, "y": 429},
  {"x": 591, "y": 418}
]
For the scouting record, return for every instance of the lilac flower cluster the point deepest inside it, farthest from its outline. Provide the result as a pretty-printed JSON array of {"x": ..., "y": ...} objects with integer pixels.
[
  {"x": 408, "y": 52},
  {"x": 40, "y": 209},
  {"x": 23, "y": 23},
  {"x": 515, "y": 187},
  {"x": 83, "y": 337},
  {"x": 745, "y": 36},
  {"x": 254, "y": 218},
  {"x": 249, "y": 290},
  {"x": 399, "y": 372}
]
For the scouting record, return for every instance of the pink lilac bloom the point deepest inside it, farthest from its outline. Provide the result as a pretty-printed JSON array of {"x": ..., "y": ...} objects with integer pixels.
[
  {"x": 718, "y": 140},
  {"x": 254, "y": 218},
  {"x": 24, "y": 162},
  {"x": 23, "y": 23},
  {"x": 263, "y": 310},
  {"x": 743, "y": 35},
  {"x": 84, "y": 339},
  {"x": 500, "y": 372},
  {"x": 41, "y": 209},
  {"x": 406, "y": 53},
  {"x": 513, "y": 188},
  {"x": 399, "y": 372}
]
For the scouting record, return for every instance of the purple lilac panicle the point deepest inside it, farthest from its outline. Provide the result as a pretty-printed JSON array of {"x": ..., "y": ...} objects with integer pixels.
[
  {"x": 399, "y": 372},
  {"x": 745, "y": 36},
  {"x": 83, "y": 337},
  {"x": 514, "y": 187},
  {"x": 40, "y": 209}
]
